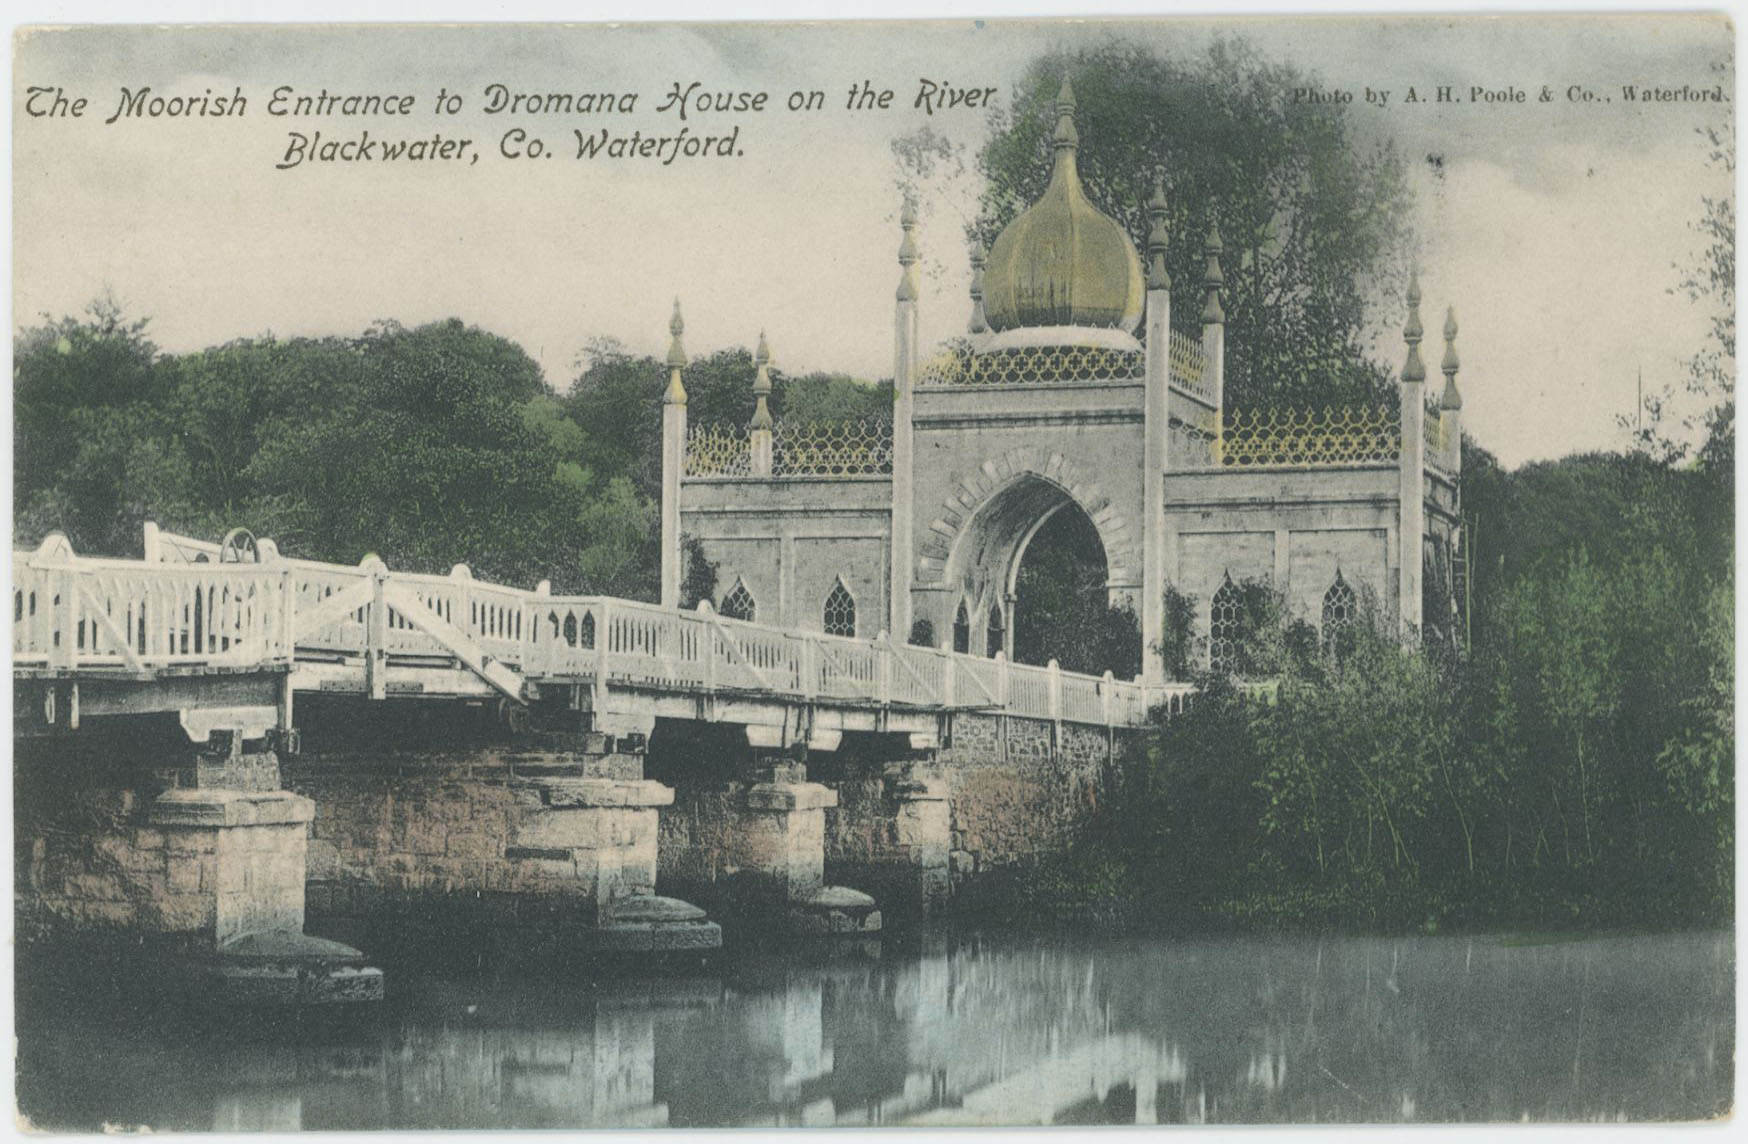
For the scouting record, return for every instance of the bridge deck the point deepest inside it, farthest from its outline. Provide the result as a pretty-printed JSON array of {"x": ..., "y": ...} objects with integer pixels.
[{"x": 327, "y": 627}]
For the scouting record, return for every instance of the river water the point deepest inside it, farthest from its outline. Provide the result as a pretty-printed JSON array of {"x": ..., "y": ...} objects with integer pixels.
[{"x": 946, "y": 1030}]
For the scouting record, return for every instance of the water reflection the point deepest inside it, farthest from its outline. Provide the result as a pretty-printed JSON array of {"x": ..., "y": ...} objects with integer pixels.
[{"x": 978, "y": 1030}]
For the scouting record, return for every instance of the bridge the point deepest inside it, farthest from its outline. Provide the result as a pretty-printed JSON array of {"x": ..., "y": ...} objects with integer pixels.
[
  {"x": 229, "y": 635},
  {"x": 938, "y": 766}
]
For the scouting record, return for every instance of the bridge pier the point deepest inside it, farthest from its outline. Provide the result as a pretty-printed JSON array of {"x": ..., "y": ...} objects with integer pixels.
[
  {"x": 588, "y": 829},
  {"x": 921, "y": 818},
  {"x": 775, "y": 845},
  {"x": 202, "y": 860}
]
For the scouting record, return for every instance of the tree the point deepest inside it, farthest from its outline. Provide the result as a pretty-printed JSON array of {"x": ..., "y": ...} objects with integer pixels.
[
  {"x": 1314, "y": 223},
  {"x": 91, "y": 454}
]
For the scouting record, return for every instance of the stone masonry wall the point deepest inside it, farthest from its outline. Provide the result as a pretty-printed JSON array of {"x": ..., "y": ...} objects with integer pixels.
[
  {"x": 1012, "y": 797},
  {"x": 447, "y": 831}
]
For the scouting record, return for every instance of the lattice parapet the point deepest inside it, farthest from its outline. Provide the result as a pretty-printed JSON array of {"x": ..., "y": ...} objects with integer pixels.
[
  {"x": 718, "y": 450},
  {"x": 1435, "y": 436},
  {"x": 818, "y": 449},
  {"x": 832, "y": 448},
  {"x": 1332, "y": 437},
  {"x": 1189, "y": 366},
  {"x": 1032, "y": 365}
]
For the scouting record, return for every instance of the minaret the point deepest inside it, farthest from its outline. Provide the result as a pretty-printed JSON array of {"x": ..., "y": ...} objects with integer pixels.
[
  {"x": 1411, "y": 512},
  {"x": 759, "y": 429},
  {"x": 904, "y": 364},
  {"x": 1450, "y": 404},
  {"x": 1155, "y": 441},
  {"x": 673, "y": 460},
  {"x": 979, "y": 323},
  {"x": 1214, "y": 321}
]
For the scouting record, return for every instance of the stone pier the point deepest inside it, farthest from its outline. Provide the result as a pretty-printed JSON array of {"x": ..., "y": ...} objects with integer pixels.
[
  {"x": 759, "y": 847},
  {"x": 511, "y": 838},
  {"x": 588, "y": 829},
  {"x": 202, "y": 859}
]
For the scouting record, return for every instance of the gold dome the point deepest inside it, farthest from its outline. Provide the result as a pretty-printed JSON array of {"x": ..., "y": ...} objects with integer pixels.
[{"x": 1063, "y": 262}]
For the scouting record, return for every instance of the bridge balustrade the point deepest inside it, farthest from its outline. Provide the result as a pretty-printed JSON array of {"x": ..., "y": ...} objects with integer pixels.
[{"x": 183, "y": 610}]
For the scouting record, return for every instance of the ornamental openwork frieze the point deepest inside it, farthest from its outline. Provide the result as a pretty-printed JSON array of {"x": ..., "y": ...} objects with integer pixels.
[
  {"x": 861, "y": 448},
  {"x": 1032, "y": 365},
  {"x": 1189, "y": 366},
  {"x": 1272, "y": 438},
  {"x": 816, "y": 449},
  {"x": 718, "y": 450}
]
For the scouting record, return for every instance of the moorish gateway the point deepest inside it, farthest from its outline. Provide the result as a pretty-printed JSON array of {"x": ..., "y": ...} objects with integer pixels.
[{"x": 1080, "y": 391}]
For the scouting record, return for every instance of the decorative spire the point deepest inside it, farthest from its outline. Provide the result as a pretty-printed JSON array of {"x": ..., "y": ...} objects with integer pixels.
[
  {"x": 1413, "y": 370},
  {"x": 907, "y": 252},
  {"x": 1451, "y": 399},
  {"x": 979, "y": 324},
  {"x": 1065, "y": 137},
  {"x": 762, "y": 385},
  {"x": 676, "y": 391},
  {"x": 1213, "y": 281},
  {"x": 1158, "y": 238}
]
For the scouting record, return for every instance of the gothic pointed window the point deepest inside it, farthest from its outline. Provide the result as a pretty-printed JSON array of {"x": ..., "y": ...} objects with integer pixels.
[
  {"x": 1340, "y": 610},
  {"x": 738, "y": 603},
  {"x": 840, "y": 611},
  {"x": 1225, "y": 628},
  {"x": 997, "y": 639},
  {"x": 962, "y": 630}
]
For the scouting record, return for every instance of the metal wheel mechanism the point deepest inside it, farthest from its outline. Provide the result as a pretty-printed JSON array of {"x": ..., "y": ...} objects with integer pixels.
[{"x": 239, "y": 547}]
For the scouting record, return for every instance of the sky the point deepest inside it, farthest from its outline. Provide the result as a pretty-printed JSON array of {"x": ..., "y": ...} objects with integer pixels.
[{"x": 1555, "y": 228}]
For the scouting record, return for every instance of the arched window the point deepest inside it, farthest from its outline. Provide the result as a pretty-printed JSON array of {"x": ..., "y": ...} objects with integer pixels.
[
  {"x": 1225, "y": 627},
  {"x": 997, "y": 640},
  {"x": 962, "y": 629},
  {"x": 1340, "y": 610},
  {"x": 738, "y": 603},
  {"x": 840, "y": 611}
]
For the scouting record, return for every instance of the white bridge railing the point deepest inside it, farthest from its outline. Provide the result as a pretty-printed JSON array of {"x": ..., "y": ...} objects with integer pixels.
[{"x": 184, "y": 608}]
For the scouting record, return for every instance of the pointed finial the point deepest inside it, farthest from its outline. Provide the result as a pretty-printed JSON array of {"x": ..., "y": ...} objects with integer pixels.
[
  {"x": 1065, "y": 136},
  {"x": 1450, "y": 399},
  {"x": 1412, "y": 369},
  {"x": 979, "y": 323},
  {"x": 907, "y": 252},
  {"x": 762, "y": 385},
  {"x": 1158, "y": 239},
  {"x": 676, "y": 391},
  {"x": 1213, "y": 279},
  {"x": 676, "y": 327}
]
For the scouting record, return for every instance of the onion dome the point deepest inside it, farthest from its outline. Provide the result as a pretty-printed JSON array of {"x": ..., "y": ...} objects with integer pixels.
[{"x": 1063, "y": 262}]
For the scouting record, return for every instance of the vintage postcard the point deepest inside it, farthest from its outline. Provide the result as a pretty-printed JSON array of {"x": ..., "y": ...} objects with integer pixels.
[{"x": 972, "y": 572}]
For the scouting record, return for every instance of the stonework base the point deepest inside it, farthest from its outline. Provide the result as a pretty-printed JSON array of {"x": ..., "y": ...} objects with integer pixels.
[
  {"x": 291, "y": 969},
  {"x": 833, "y": 910}
]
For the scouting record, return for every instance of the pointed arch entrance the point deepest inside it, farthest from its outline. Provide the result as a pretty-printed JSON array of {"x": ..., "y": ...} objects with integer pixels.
[{"x": 1027, "y": 567}]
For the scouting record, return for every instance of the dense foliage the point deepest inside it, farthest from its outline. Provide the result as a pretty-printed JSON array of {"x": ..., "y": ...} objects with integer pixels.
[
  {"x": 425, "y": 446},
  {"x": 1576, "y": 767}
]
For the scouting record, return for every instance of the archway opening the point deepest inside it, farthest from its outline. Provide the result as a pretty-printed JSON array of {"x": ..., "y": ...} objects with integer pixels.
[
  {"x": 1061, "y": 608},
  {"x": 1033, "y": 576}
]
